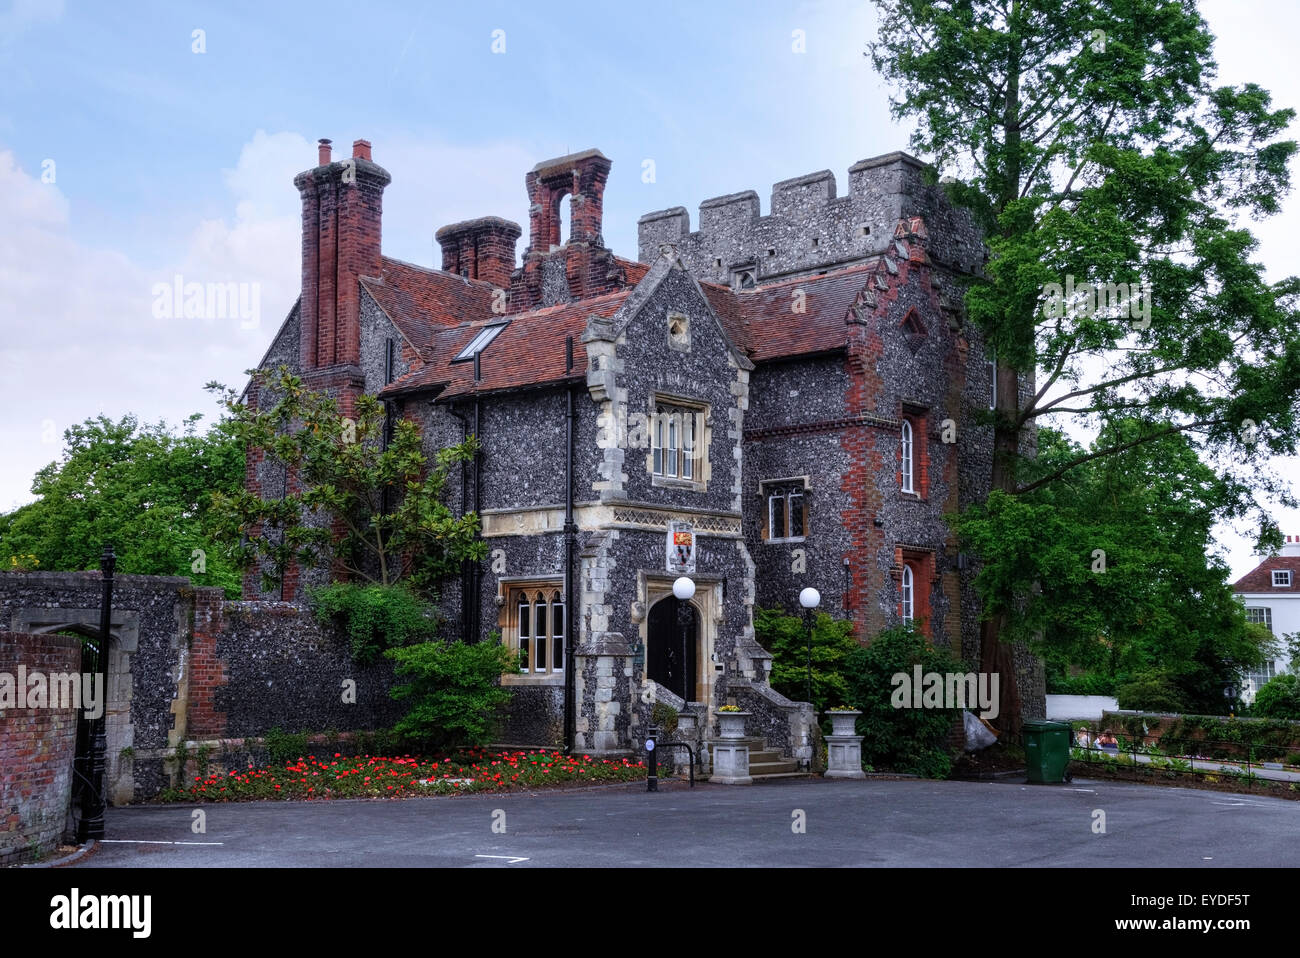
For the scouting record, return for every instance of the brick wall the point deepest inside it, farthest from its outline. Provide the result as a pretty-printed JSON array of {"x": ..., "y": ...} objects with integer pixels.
[{"x": 36, "y": 750}]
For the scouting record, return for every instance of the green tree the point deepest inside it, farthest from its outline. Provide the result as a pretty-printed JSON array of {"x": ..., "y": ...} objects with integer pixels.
[
  {"x": 912, "y": 740},
  {"x": 1113, "y": 567},
  {"x": 786, "y": 637},
  {"x": 370, "y": 507},
  {"x": 453, "y": 691},
  {"x": 144, "y": 488},
  {"x": 1093, "y": 146},
  {"x": 1279, "y": 698}
]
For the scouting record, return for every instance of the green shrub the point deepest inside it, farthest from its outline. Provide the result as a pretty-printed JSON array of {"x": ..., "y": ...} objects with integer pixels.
[
  {"x": 786, "y": 638},
  {"x": 1151, "y": 692},
  {"x": 912, "y": 740},
  {"x": 452, "y": 690},
  {"x": 1279, "y": 698},
  {"x": 1081, "y": 685},
  {"x": 283, "y": 747},
  {"x": 665, "y": 716},
  {"x": 375, "y": 617}
]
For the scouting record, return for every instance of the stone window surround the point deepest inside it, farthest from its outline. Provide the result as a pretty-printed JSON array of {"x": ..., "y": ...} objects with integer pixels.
[
  {"x": 508, "y": 588},
  {"x": 679, "y": 331},
  {"x": 701, "y": 470}
]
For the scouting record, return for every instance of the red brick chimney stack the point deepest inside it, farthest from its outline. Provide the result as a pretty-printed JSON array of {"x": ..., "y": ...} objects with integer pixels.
[
  {"x": 480, "y": 249},
  {"x": 342, "y": 207},
  {"x": 580, "y": 260}
]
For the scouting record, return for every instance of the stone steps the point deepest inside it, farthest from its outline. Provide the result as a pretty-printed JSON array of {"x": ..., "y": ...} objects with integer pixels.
[{"x": 768, "y": 763}]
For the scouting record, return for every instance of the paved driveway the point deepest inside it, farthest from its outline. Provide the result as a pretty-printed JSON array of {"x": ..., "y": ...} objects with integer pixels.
[{"x": 872, "y": 823}]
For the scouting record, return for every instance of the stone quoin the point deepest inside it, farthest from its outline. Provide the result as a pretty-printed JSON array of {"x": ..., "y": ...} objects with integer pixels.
[{"x": 800, "y": 390}]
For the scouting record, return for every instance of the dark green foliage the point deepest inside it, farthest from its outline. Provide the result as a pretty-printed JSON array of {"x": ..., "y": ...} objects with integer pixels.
[
  {"x": 371, "y": 507},
  {"x": 1081, "y": 685},
  {"x": 665, "y": 716},
  {"x": 1114, "y": 566},
  {"x": 1279, "y": 698},
  {"x": 912, "y": 740},
  {"x": 145, "y": 488},
  {"x": 1151, "y": 692},
  {"x": 786, "y": 637},
  {"x": 283, "y": 747},
  {"x": 452, "y": 690},
  {"x": 375, "y": 617},
  {"x": 1096, "y": 145}
]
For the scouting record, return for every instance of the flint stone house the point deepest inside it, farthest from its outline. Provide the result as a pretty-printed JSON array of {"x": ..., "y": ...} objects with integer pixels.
[{"x": 796, "y": 392}]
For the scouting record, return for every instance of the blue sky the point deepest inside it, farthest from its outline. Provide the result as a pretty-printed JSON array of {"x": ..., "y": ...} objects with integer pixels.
[{"x": 169, "y": 161}]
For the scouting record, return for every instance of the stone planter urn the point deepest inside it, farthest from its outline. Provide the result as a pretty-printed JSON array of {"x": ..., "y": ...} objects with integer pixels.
[
  {"x": 732, "y": 724},
  {"x": 844, "y": 723},
  {"x": 731, "y": 752},
  {"x": 843, "y": 748}
]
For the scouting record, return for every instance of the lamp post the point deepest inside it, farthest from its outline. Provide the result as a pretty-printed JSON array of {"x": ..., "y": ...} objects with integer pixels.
[
  {"x": 91, "y": 824},
  {"x": 809, "y": 598}
]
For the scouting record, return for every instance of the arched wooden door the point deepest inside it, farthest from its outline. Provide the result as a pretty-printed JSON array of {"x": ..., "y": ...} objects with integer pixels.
[{"x": 673, "y": 646}]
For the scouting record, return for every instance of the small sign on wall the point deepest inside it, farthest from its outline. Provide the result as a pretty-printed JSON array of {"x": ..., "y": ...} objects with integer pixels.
[{"x": 680, "y": 548}]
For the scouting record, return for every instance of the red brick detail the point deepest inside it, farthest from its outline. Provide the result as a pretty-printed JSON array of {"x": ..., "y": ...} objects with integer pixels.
[
  {"x": 342, "y": 212},
  {"x": 482, "y": 249},
  {"x": 590, "y": 268},
  {"x": 865, "y": 540},
  {"x": 924, "y": 580},
  {"x": 37, "y": 746},
  {"x": 207, "y": 672}
]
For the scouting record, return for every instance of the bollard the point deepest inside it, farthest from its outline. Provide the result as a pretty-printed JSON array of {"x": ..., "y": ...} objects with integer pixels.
[{"x": 652, "y": 762}]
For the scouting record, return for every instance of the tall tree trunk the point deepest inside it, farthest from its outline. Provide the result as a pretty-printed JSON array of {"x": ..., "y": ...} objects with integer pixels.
[{"x": 997, "y": 656}]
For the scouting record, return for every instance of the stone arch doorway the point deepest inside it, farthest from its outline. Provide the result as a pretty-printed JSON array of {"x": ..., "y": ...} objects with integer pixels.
[
  {"x": 115, "y": 664},
  {"x": 673, "y": 646}
]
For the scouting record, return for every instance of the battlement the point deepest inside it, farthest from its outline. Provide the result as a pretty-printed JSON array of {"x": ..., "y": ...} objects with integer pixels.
[{"x": 808, "y": 227}]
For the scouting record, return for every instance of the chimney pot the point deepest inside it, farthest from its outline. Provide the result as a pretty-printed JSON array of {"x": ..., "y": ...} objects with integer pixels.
[
  {"x": 323, "y": 152},
  {"x": 361, "y": 149}
]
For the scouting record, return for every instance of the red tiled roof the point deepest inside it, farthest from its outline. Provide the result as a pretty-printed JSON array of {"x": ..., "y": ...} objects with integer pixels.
[
  {"x": 440, "y": 313},
  {"x": 634, "y": 271},
  {"x": 1260, "y": 579},
  {"x": 770, "y": 329},
  {"x": 529, "y": 351},
  {"x": 422, "y": 302}
]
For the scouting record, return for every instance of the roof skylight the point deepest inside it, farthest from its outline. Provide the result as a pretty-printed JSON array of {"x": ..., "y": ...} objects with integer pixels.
[{"x": 480, "y": 342}]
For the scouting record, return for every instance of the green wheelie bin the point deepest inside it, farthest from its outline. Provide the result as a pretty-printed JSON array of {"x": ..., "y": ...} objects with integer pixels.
[{"x": 1047, "y": 750}]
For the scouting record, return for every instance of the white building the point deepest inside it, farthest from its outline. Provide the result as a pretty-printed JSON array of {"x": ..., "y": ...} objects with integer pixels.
[{"x": 1271, "y": 594}]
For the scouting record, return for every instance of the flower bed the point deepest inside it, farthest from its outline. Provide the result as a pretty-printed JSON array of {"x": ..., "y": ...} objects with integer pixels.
[{"x": 373, "y": 776}]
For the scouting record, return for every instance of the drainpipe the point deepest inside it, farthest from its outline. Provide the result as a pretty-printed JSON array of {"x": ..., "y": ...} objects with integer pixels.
[
  {"x": 476, "y": 569},
  {"x": 464, "y": 501},
  {"x": 570, "y": 530}
]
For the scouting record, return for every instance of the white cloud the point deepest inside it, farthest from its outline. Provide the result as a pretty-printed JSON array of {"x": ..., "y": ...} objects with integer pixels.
[{"x": 79, "y": 335}]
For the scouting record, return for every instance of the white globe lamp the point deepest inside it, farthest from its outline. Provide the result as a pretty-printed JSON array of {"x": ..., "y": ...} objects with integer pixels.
[{"x": 684, "y": 588}]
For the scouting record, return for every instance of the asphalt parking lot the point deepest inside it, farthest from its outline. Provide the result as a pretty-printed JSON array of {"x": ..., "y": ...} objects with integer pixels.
[{"x": 811, "y": 822}]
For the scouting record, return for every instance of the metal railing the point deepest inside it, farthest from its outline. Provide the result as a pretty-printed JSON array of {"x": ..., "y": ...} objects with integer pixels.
[{"x": 1244, "y": 761}]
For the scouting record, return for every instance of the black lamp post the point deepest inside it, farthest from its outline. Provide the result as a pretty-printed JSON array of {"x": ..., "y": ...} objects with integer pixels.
[{"x": 809, "y": 598}]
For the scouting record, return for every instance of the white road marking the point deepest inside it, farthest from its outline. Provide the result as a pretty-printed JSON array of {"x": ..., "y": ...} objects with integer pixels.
[
  {"x": 1090, "y": 791},
  {"x": 510, "y": 859},
  {"x": 141, "y": 841},
  {"x": 1237, "y": 804}
]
